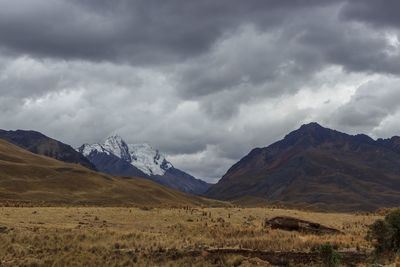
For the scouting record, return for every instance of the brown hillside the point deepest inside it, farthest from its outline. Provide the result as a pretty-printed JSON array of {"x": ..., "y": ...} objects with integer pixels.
[{"x": 25, "y": 176}]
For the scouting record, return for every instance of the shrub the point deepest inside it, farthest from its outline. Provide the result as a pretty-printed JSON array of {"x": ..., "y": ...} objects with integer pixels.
[
  {"x": 380, "y": 233},
  {"x": 385, "y": 234},
  {"x": 329, "y": 256},
  {"x": 393, "y": 219}
]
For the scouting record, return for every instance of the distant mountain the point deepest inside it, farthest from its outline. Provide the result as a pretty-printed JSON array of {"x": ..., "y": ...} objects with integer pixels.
[
  {"x": 25, "y": 176},
  {"x": 117, "y": 157},
  {"x": 319, "y": 166},
  {"x": 40, "y": 144}
]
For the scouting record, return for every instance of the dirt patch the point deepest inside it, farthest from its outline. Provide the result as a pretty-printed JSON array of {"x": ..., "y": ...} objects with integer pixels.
[
  {"x": 279, "y": 258},
  {"x": 284, "y": 258}
]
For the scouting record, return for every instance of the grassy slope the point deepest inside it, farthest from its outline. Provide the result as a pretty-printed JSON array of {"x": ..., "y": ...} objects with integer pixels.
[{"x": 30, "y": 177}]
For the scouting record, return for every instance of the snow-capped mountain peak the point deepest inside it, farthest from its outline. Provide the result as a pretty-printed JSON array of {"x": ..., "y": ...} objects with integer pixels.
[
  {"x": 117, "y": 146},
  {"x": 142, "y": 156}
]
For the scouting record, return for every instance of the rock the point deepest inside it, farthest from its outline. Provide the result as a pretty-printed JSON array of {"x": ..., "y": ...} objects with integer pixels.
[
  {"x": 3, "y": 229},
  {"x": 258, "y": 261},
  {"x": 294, "y": 224},
  {"x": 204, "y": 254}
]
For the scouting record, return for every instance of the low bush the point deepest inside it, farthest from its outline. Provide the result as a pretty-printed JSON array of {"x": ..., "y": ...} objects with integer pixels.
[
  {"x": 329, "y": 256},
  {"x": 385, "y": 234}
]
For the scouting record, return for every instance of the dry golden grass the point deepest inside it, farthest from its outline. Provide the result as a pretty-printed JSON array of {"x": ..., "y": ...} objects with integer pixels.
[{"x": 77, "y": 236}]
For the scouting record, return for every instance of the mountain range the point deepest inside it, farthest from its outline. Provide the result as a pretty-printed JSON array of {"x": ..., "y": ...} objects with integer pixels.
[
  {"x": 115, "y": 156},
  {"x": 319, "y": 166},
  {"x": 312, "y": 166}
]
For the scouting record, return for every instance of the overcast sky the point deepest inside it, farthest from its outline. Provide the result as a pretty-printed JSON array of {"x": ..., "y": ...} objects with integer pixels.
[{"x": 204, "y": 81}]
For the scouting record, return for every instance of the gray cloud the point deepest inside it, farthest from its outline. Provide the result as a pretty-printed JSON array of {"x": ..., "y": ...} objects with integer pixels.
[
  {"x": 250, "y": 63},
  {"x": 378, "y": 13},
  {"x": 204, "y": 81},
  {"x": 372, "y": 102},
  {"x": 139, "y": 32}
]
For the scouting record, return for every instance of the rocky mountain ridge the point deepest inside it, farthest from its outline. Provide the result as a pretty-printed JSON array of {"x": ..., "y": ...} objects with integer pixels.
[{"x": 318, "y": 166}]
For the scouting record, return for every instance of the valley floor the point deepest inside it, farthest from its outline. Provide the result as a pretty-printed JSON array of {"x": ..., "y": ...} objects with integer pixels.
[{"x": 91, "y": 236}]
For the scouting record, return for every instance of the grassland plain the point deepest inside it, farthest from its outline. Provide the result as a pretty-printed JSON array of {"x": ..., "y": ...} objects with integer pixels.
[{"x": 116, "y": 236}]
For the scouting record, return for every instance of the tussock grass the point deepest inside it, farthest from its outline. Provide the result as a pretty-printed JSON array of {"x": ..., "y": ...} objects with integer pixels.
[{"x": 68, "y": 236}]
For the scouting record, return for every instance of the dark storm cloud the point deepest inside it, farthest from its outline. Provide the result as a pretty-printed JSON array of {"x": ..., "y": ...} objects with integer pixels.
[
  {"x": 205, "y": 81},
  {"x": 156, "y": 32},
  {"x": 378, "y": 13},
  {"x": 355, "y": 48},
  {"x": 139, "y": 32},
  {"x": 251, "y": 63}
]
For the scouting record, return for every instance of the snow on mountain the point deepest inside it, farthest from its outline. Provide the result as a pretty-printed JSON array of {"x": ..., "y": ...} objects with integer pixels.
[
  {"x": 86, "y": 149},
  {"x": 148, "y": 160},
  {"x": 142, "y": 156},
  {"x": 116, "y": 146}
]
